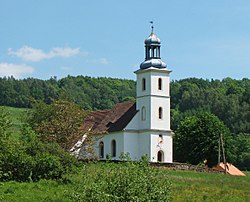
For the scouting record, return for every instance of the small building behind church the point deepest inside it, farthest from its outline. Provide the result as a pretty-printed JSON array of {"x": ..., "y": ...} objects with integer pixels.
[{"x": 141, "y": 127}]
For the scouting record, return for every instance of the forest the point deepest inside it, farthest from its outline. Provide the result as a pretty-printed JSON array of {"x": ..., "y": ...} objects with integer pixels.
[{"x": 227, "y": 99}]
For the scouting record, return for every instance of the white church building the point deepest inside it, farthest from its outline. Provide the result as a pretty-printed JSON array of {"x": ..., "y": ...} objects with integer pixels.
[{"x": 141, "y": 127}]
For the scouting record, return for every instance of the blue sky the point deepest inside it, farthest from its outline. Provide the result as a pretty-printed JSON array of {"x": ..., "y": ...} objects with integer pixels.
[{"x": 200, "y": 38}]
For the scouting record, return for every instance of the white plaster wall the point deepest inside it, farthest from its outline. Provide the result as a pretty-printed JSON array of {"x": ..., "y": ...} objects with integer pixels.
[
  {"x": 156, "y": 123},
  {"x": 131, "y": 144},
  {"x": 118, "y": 137},
  {"x": 140, "y": 76},
  {"x": 165, "y": 83},
  {"x": 169, "y": 147},
  {"x": 133, "y": 124},
  {"x": 165, "y": 146},
  {"x": 152, "y": 76},
  {"x": 137, "y": 144},
  {"x": 144, "y": 102},
  {"x": 144, "y": 144}
]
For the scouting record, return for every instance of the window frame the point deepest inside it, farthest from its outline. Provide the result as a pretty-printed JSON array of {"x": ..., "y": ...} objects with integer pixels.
[
  {"x": 143, "y": 113},
  {"x": 159, "y": 83},
  {"x": 160, "y": 113},
  {"x": 113, "y": 148},
  {"x": 101, "y": 149},
  {"x": 143, "y": 84}
]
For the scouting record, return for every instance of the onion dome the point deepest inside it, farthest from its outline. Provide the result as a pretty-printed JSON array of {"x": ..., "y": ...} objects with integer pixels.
[
  {"x": 152, "y": 39},
  {"x": 152, "y": 53}
]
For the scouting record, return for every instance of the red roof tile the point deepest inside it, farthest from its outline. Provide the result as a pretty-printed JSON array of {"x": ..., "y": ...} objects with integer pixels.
[{"x": 112, "y": 120}]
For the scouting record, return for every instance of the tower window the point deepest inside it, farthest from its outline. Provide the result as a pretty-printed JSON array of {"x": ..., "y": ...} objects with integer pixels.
[
  {"x": 155, "y": 53},
  {"x": 160, "y": 112},
  {"x": 101, "y": 149},
  {"x": 113, "y": 148},
  {"x": 143, "y": 113},
  {"x": 143, "y": 84},
  {"x": 159, "y": 84}
]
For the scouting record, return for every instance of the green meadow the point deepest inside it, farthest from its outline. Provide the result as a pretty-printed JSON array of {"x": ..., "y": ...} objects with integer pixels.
[
  {"x": 185, "y": 186},
  {"x": 194, "y": 186},
  {"x": 17, "y": 116}
]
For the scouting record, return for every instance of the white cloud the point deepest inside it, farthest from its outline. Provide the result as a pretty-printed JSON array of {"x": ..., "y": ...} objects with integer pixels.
[
  {"x": 104, "y": 61},
  {"x": 31, "y": 54},
  {"x": 15, "y": 70}
]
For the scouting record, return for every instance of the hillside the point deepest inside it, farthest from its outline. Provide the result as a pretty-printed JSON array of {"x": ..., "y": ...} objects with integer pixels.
[
  {"x": 229, "y": 99},
  {"x": 89, "y": 93}
]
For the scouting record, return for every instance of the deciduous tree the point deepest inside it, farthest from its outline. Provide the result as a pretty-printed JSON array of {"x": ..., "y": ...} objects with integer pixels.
[
  {"x": 58, "y": 122},
  {"x": 196, "y": 139}
]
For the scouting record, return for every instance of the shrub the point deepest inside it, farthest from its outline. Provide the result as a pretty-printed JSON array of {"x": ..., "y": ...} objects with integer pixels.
[
  {"x": 32, "y": 160},
  {"x": 15, "y": 164},
  {"x": 128, "y": 181}
]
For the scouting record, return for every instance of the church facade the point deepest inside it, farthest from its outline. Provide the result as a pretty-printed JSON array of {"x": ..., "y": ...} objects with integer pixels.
[{"x": 141, "y": 127}]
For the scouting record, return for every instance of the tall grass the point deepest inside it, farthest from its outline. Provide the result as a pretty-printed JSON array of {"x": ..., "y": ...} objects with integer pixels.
[
  {"x": 186, "y": 186},
  {"x": 193, "y": 186},
  {"x": 17, "y": 117}
]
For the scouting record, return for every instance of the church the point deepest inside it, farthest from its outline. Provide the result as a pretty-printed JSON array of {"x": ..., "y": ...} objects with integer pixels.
[{"x": 141, "y": 127}]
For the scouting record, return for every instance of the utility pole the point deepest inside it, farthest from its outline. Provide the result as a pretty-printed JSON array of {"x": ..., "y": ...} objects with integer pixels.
[
  {"x": 223, "y": 153},
  {"x": 219, "y": 152}
]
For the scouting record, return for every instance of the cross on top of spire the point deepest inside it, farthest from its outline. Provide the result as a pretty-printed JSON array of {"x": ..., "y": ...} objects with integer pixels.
[{"x": 152, "y": 26}]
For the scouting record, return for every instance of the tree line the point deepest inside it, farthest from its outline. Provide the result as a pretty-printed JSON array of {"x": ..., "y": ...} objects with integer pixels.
[
  {"x": 89, "y": 93},
  {"x": 228, "y": 99}
]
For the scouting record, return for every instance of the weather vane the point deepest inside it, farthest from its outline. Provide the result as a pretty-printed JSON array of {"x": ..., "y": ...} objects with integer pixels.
[{"x": 152, "y": 25}]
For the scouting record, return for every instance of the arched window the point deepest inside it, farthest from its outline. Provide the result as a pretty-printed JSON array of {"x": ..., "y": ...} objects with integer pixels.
[
  {"x": 160, "y": 113},
  {"x": 143, "y": 84},
  {"x": 113, "y": 148},
  {"x": 101, "y": 149},
  {"x": 155, "y": 53},
  {"x": 143, "y": 113},
  {"x": 160, "y": 156},
  {"x": 159, "y": 84}
]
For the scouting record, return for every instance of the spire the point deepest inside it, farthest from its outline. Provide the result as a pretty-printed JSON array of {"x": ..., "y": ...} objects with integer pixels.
[{"x": 152, "y": 51}]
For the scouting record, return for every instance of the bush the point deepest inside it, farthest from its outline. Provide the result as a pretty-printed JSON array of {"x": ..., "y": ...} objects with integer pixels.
[
  {"x": 128, "y": 181},
  {"x": 15, "y": 164},
  {"x": 32, "y": 160}
]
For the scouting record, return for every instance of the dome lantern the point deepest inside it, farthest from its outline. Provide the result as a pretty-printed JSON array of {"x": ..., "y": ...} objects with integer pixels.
[{"x": 152, "y": 52}]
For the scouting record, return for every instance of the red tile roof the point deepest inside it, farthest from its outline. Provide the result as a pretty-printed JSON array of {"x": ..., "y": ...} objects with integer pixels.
[{"x": 112, "y": 120}]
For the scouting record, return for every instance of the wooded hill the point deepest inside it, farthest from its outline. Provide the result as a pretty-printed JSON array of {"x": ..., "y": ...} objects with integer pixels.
[{"x": 229, "y": 99}]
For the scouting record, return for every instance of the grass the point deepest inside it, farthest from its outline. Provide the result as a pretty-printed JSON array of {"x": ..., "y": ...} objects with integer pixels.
[
  {"x": 186, "y": 186},
  {"x": 193, "y": 186},
  {"x": 17, "y": 116}
]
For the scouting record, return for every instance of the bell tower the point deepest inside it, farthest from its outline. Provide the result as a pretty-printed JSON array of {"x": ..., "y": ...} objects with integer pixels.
[
  {"x": 152, "y": 92},
  {"x": 153, "y": 102}
]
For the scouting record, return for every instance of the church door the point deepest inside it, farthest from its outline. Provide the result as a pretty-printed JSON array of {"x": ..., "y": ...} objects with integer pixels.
[{"x": 160, "y": 156}]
